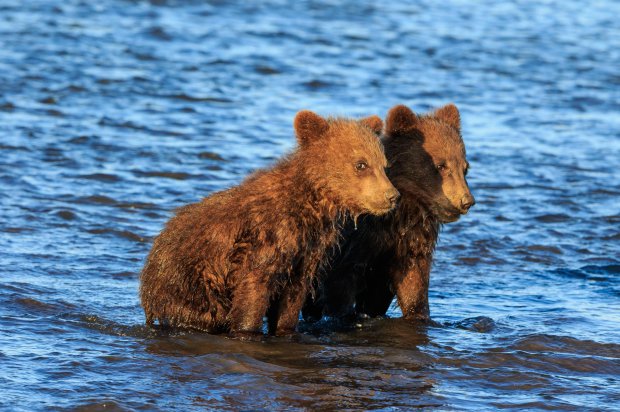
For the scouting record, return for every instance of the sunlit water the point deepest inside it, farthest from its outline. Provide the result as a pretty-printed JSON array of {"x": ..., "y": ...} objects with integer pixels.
[{"x": 113, "y": 113}]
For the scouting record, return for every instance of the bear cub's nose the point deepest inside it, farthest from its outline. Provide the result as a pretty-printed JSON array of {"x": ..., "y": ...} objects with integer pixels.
[
  {"x": 467, "y": 201},
  {"x": 392, "y": 196}
]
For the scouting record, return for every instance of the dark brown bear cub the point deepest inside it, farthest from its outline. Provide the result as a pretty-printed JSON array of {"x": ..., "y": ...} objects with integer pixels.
[
  {"x": 392, "y": 255},
  {"x": 221, "y": 263}
]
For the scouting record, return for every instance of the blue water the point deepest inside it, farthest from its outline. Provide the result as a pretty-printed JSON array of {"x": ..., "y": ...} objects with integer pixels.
[{"x": 113, "y": 113}]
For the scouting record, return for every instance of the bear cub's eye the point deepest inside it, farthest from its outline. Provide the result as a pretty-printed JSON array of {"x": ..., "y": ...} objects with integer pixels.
[
  {"x": 441, "y": 167},
  {"x": 361, "y": 165}
]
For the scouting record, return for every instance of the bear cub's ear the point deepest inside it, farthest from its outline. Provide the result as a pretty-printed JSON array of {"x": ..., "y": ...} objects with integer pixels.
[
  {"x": 309, "y": 126},
  {"x": 400, "y": 119},
  {"x": 449, "y": 114},
  {"x": 373, "y": 122}
]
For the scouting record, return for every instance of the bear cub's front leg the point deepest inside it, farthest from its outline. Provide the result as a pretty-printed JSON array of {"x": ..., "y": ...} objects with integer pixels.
[{"x": 284, "y": 312}]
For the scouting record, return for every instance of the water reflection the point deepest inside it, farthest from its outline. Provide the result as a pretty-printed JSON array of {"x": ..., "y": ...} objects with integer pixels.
[{"x": 371, "y": 365}]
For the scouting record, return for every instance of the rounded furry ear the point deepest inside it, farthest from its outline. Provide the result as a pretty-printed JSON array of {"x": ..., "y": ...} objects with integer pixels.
[
  {"x": 400, "y": 119},
  {"x": 373, "y": 122},
  {"x": 449, "y": 114},
  {"x": 308, "y": 126}
]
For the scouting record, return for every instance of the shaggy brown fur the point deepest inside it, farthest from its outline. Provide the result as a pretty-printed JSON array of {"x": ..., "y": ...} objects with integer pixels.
[
  {"x": 220, "y": 263},
  {"x": 392, "y": 255}
]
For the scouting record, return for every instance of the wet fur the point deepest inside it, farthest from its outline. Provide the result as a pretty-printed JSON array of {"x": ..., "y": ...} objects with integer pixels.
[{"x": 219, "y": 264}]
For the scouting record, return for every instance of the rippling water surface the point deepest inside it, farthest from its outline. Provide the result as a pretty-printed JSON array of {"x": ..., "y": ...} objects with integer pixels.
[{"x": 113, "y": 113}]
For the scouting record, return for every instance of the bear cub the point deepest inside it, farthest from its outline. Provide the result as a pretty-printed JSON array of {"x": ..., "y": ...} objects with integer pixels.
[
  {"x": 222, "y": 264},
  {"x": 392, "y": 254}
]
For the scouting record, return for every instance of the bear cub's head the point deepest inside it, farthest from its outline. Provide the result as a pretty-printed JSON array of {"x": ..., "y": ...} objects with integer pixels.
[
  {"x": 428, "y": 162},
  {"x": 345, "y": 159}
]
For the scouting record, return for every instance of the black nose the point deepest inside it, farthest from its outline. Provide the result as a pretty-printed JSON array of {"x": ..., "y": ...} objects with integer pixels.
[
  {"x": 392, "y": 196},
  {"x": 467, "y": 201}
]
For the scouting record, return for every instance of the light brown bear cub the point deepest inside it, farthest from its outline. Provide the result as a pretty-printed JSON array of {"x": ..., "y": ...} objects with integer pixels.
[
  {"x": 392, "y": 254},
  {"x": 221, "y": 264}
]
